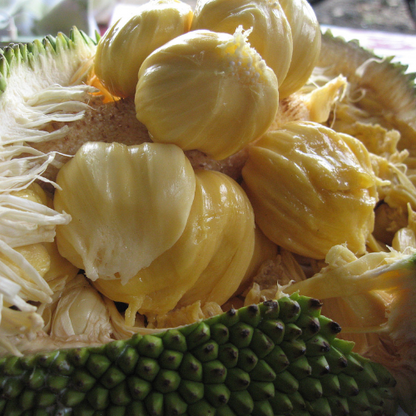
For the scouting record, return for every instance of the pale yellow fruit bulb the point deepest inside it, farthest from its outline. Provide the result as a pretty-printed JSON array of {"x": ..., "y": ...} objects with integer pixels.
[
  {"x": 124, "y": 46},
  {"x": 207, "y": 91},
  {"x": 264, "y": 250},
  {"x": 207, "y": 263},
  {"x": 312, "y": 188},
  {"x": 271, "y": 34},
  {"x": 306, "y": 38},
  {"x": 128, "y": 204}
]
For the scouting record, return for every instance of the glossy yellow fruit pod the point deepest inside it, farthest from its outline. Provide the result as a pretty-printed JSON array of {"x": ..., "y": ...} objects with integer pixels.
[
  {"x": 271, "y": 34},
  {"x": 264, "y": 250},
  {"x": 125, "y": 45},
  {"x": 312, "y": 188},
  {"x": 207, "y": 263},
  {"x": 128, "y": 204},
  {"x": 39, "y": 265},
  {"x": 306, "y": 38},
  {"x": 207, "y": 91}
]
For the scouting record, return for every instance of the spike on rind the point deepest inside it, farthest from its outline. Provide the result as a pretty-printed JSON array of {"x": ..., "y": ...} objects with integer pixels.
[{"x": 16, "y": 55}]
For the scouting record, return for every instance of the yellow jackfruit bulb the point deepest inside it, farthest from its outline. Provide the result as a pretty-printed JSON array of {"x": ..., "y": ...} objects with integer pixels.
[
  {"x": 207, "y": 91},
  {"x": 45, "y": 257},
  {"x": 306, "y": 37},
  {"x": 264, "y": 250},
  {"x": 271, "y": 34},
  {"x": 125, "y": 45},
  {"x": 60, "y": 271},
  {"x": 80, "y": 313},
  {"x": 33, "y": 192},
  {"x": 208, "y": 261},
  {"x": 312, "y": 188},
  {"x": 128, "y": 205}
]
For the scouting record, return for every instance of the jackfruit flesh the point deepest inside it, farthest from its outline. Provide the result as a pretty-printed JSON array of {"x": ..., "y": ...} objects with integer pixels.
[
  {"x": 270, "y": 29},
  {"x": 285, "y": 33},
  {"x": 129, "y": 203},
  {"x": 207, "y": 262},
  {"x": 123, "y": 48},
  {"x": 279, "y": 357},
  {"x": 306, "y": 37},
  {"x": 311, "y": 188},
  {"x": 208, "y": 91}
]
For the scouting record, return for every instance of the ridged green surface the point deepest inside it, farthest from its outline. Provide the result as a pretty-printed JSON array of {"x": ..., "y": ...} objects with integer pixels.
[
  {"x": 50, "y": 47},
  {"x": 277, "y": 358}
]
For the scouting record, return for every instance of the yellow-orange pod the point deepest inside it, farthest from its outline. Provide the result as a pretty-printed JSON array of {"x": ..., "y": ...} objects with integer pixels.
[
  {"x": 207, "y": 91},
  {"x": 306, "y": 38},
  {"x": 271, "y": 34},
  {"x": 125, "y": 45},
  {"x": 312, "y": 188},
  {"x": 207, "y": 263},
  {"x": 128, "y": 204}
]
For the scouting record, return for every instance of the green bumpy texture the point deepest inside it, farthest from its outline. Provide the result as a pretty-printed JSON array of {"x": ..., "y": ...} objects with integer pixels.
[{"x": 276, "y": 358}]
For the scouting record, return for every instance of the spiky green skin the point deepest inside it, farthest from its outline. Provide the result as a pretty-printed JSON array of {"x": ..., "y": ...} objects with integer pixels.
[
  {"x": 277, "y": 358},
  {"x": 50, "y": 47}
]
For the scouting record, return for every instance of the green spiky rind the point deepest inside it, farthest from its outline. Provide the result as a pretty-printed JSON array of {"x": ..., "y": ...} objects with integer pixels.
[
  {"x": 18, "y": 55},
  {"x": 265, "y": 359},
  {"x": 395, "y": 88}
]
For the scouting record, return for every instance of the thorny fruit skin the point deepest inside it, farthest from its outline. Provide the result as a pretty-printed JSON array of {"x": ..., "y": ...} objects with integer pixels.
[
  {"x": 311, "y": 188},
  {"x": 124, "y": 46},
  {"x": 302, "y": 372},
  {"x": 271, "y": 34},
  {"x": 207, "y": 91}
]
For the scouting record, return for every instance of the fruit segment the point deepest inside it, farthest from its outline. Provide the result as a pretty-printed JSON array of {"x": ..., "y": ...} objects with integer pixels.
[
  {"x": 208, "y": 91},
  {"x": 125, "y": 45},
  {"x": 311, "y": 188}
]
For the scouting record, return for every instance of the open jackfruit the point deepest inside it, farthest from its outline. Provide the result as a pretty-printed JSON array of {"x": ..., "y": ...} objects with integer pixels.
[{"x": 239, "y": 370}]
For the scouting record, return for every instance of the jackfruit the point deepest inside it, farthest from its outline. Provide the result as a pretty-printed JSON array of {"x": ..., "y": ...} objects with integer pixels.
[
  {"x": 45, "y": 111},
  {"x": 124, "y": 46},
  {"x": 147, "y": 192},
  {"x": 208, "y": 261},
  {"x": 306, "y": 36},
  {"x": 269, "y": 27},
  {"x": 371, "y": 297},
  {"x": 311, "y": 188},
  {"x": 274, "y": 358},
  {"x": 380, "y": 91},
  {"x": 208, "y": 91}
]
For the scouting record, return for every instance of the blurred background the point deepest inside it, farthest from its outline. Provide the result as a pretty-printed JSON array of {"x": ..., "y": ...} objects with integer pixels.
[
  {"x": 388, "y": 27},
  {"x": 381, "y": 15},
  {"x": 35, "y": 18}
]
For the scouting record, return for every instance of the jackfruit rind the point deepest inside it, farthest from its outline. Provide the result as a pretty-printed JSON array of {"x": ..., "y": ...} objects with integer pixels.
[
  {"x": 129, "y": 205},
  {"x": 125, "y": 45},
  {"x": 54, "y": 71},
  {"x": 277, "y": 357},
  {"x": 271, "y": 33},
  {"x": 43, "y": 60},
  {"x": 371, "y": 297},
  {"x": 311, "y": 188},
  {"x": 207, "y": 91}
]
